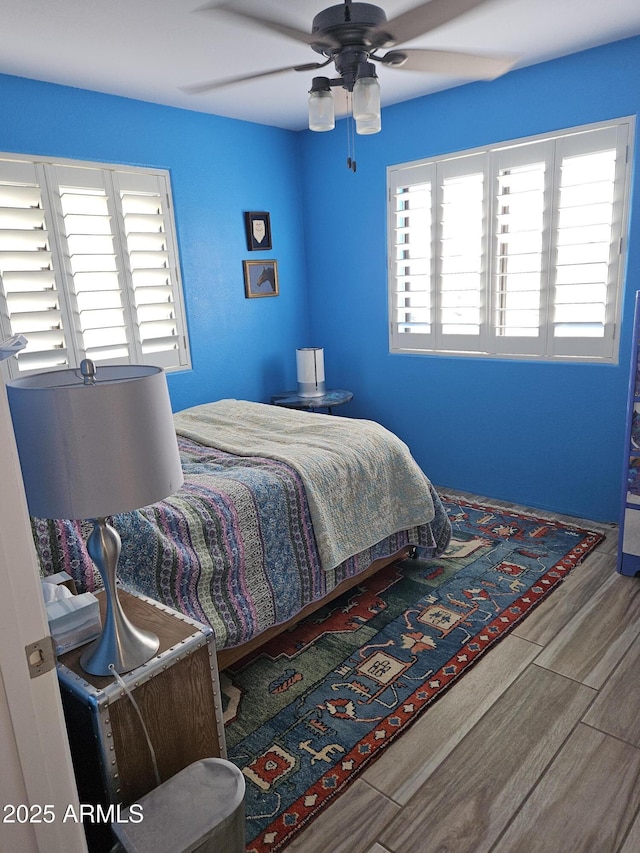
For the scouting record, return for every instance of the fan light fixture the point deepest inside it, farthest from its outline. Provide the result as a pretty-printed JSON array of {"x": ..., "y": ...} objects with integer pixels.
[
  {"x": 349, "y": 35},
  {"x": 366, "y": 101}
]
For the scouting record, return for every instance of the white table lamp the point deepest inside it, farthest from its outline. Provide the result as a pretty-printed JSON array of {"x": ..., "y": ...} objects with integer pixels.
[
  {"x": 93, "y": 444},
  {"x": 310, "y": 372}
]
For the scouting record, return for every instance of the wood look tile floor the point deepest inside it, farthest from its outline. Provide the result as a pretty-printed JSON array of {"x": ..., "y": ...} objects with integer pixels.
[{"x": 535, "y": 750}]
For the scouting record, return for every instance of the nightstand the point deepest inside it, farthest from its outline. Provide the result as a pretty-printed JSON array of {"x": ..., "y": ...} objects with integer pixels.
[
  {"x": 178, "y": 695},
  {"x": 291, "y": 400}
]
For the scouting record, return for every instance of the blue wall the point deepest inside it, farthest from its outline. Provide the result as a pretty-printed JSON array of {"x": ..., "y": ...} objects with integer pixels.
[
  {"x": 545, "y": 434},
  {"x": 219, "y": 168}
]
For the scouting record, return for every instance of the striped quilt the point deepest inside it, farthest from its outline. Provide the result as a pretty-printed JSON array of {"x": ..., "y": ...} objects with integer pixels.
[
  {"x": 360, "y": 480},
  {"x": 234, "y": 547}
]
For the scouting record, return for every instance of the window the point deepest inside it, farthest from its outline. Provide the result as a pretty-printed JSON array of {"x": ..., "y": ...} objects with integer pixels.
[
  {"x": 89, "y": 266},
  {"x": 511, "y": 251}
]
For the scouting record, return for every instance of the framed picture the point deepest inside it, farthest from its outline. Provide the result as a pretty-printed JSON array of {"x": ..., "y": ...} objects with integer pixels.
[
  {"x": 258, "y": 227},
  {"x": 260, "y": 278}
]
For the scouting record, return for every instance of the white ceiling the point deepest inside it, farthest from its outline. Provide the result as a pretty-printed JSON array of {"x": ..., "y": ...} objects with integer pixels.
[{"x": 148, "y": 49}]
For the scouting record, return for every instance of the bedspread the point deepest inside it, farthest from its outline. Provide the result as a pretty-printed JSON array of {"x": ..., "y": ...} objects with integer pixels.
[
  {"x": 234, "y": 547},
  {"x": 361, "y": 481}
]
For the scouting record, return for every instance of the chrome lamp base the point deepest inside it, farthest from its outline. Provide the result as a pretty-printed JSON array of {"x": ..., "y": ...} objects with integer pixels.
[{"x": 121, "y": 644}]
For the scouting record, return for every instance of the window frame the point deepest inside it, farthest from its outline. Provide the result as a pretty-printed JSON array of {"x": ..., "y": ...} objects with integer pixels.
[
  {"x": 487, "y": 344},
  {"x": 117, "y": 184}
]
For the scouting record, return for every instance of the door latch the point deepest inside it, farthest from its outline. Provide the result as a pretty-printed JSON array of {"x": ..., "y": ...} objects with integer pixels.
[{"x": 41, "y": 656}]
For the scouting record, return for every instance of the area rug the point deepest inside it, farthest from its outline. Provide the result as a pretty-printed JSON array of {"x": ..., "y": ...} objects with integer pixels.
[{"x": 309, "y": 711}]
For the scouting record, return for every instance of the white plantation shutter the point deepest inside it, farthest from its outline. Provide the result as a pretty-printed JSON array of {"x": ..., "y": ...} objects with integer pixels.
[
  {"x": 152, "y": 267},
  {"x": 587, "y": 235},
  {"x": 519, "y": 261},
  {"x": 529, "y": 247},
  {"x": 80, "y": 247},
  {"x": 91, "y": 263},
  {"x": 461, "y": 202},
  {"x": 411, "y": 257},
  {"x": 29, "y": 296}
]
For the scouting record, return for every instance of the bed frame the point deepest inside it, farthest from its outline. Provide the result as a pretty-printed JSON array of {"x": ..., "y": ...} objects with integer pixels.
[{"x": 227, "y": 657}]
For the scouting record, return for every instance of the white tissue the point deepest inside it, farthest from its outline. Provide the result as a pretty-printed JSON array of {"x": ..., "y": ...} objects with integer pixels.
[{"x": 54, "y": 592}]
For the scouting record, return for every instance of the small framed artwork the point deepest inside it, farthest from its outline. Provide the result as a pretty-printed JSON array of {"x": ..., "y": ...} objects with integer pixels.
[
  {"x": 260, "y": 278},
  {"x": 258, "y": 227}
]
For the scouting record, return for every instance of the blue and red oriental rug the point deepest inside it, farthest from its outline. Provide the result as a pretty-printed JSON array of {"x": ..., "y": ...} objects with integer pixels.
[{"x": 309, "y": 711}]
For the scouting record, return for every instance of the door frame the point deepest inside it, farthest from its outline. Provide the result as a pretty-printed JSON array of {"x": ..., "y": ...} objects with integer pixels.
[{"x": 33, "y": 734}]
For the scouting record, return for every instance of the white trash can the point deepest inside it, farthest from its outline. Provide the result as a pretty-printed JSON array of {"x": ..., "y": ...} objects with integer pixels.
[{"x": 199, "y": 810}]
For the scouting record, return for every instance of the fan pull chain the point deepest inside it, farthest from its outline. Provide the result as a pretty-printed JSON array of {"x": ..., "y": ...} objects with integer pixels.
[{"x": 351, "y": 138}]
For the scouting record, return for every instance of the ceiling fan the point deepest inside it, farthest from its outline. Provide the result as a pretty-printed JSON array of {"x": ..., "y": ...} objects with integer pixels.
[{"x": 350, "y": 35}]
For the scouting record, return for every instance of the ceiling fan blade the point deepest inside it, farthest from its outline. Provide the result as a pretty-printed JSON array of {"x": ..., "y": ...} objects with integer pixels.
[
  {"x": 269, "y": 23},
  {"x": 470, "y": 65},
  {"x": 422, "y": 19},
  {"x": 211, "y": 85}
]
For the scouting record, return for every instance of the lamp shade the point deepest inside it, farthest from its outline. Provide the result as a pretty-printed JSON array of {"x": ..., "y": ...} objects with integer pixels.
[{"x": 94, "y": 449}]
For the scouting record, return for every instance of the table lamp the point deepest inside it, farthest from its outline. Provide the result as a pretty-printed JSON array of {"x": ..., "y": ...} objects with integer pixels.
[
  {"x": 93, "y": 444},
  {"x": 310, "y": 372}
]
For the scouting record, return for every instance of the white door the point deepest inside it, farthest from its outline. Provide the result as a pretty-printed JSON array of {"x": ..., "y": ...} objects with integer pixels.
[{"x": 36, "y": 768}]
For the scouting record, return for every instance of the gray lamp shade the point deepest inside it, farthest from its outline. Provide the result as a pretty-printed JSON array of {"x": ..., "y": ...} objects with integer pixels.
[{"x": 94, "y": 450}]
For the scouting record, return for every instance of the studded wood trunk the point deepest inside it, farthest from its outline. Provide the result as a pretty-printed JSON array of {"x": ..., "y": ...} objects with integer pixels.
[{"x": 177, "y": 693}]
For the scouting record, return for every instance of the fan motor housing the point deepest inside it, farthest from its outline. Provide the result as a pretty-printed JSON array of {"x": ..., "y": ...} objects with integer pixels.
[{"x": 347, "y": 24}]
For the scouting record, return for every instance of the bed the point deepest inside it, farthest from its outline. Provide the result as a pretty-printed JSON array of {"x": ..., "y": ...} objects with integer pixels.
[{"x": 280, "y": 512}]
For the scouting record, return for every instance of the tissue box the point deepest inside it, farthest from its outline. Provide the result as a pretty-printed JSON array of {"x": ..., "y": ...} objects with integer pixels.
[{"x": 73, "y": 621}]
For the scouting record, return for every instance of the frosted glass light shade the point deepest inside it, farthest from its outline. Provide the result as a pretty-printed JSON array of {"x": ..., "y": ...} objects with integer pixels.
[
  {"x": 321, "y": 111},
  {"x": 366, "y": 99}
]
